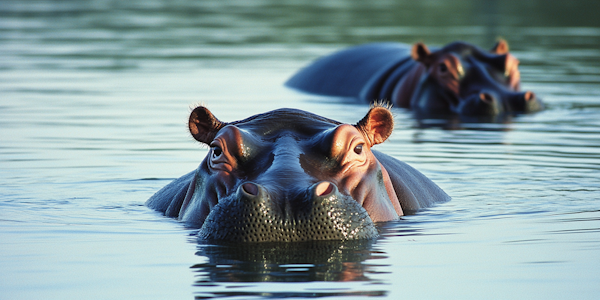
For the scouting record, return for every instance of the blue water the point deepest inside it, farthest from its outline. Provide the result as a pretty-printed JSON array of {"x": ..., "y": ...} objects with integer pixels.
[{"x": 94, "y": 100}]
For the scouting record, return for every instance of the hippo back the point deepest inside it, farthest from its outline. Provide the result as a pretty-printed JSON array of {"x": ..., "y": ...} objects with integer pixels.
[{"x": 354, "y": 72}]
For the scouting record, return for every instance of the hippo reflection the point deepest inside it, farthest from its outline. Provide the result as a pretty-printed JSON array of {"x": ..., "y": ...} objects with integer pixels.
[
  {"x": 290, "y": 175},
  {"x": 276, "y": 262},
  {"x": 458, "y": 78},
  {"x": 232, "y": 265}
]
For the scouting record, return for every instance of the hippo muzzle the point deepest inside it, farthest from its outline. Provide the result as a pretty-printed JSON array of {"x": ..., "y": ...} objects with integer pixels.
[
  {"x": 492, "y": 103},
  {"x": 321, "y": 213}
]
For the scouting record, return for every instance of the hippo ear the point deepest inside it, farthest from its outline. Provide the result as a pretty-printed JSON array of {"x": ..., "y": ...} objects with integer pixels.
[
  {"x": 204, "y": 125},
  {"x": 377, "y": 125},
  {"x": 421, "y": 53},
  {"x": 500, "y": 48}
]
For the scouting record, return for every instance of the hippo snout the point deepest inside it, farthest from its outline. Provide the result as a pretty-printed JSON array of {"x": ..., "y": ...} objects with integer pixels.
[
  {"x": 490, "y": 103},
  {"x": 320, "y": 212}
]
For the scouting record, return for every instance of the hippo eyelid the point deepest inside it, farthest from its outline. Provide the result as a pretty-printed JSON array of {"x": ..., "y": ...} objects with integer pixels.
[
  {"x": 217, "y": 151},
  {"x": 219, "y": 157}
]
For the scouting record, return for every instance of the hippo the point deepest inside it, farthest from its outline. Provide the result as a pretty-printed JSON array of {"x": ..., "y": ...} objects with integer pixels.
[
  {"x": 459, "y": 78},
  {"x": 289, "y": 175}
]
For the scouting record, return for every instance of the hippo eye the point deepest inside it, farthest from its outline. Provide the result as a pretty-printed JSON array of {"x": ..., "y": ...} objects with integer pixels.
[
  {"x": 358, "y": 149},
  {"x": 443, "y": 68},
  {"x": 216, "y": 151}
]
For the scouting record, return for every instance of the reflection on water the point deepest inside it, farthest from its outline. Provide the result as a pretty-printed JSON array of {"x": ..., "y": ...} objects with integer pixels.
[
  {"x": 455, "y": 122},
  {"x": 94, "y": 102},
  {"x": 284, "y": 262}
]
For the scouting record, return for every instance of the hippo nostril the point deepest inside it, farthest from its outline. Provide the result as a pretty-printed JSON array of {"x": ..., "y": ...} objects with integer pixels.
[
  {"x": 250, "y": 188},
  {"x": 529, "y": 96},
  {"x": 485, "y": 97},
  {"x": 323, "y": 188}
]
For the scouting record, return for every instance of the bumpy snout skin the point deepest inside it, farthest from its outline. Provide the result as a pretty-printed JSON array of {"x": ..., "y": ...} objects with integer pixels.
[
  {"x": 248, "y": 217},
  {"x": 289, "y": 176}
]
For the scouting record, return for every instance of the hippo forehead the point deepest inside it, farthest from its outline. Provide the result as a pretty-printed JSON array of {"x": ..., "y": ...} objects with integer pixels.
[
  {"x": 465, "y": 50},
  {"x": 285, "y": 121},
  {"x": 471, "y": 54}
]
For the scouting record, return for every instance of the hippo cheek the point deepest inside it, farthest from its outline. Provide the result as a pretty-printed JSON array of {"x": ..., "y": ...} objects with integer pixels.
[
  {"x": 321, "y": 213},
  {"x": 208, "y": 188},
  {"x": 197, "y": 206},
  {"x": 368, "y": 188},
  {"x": 430, "y": 96}
]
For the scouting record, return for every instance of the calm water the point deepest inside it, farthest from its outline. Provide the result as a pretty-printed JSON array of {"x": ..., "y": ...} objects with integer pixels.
[{"x": 94, "y": 98}]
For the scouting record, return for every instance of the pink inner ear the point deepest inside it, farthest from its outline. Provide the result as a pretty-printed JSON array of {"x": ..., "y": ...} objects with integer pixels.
[
  {"x": 203, "y": 125},
  {"x": 421, "y": 53},
  {"x": 501, "y": 47},
  {"x": 377, "y": 125},
  {"x": 380, "y": 124}
]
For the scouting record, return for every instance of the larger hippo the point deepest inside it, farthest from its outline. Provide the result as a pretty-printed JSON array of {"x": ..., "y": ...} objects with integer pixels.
[
  {"x": 290, "y": 175},
  {"x": 458, "y": 78}
]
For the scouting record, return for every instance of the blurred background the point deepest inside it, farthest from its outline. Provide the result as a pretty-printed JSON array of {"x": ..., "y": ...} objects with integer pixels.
[{"x": 116, "y": 35}]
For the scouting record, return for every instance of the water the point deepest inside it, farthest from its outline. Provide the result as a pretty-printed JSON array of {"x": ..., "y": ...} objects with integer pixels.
[{"x": 94, "y": 101}]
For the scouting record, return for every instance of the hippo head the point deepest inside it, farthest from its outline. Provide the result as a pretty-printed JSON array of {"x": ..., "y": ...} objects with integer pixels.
[
  {"x": 472, "y": 81},
  {"x": 289, "y": 175}
]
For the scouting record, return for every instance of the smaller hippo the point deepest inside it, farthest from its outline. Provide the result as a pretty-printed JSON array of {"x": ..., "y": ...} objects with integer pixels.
[
  {"x": 459, "y": 78},
  {"x": 290, "y": 175}
]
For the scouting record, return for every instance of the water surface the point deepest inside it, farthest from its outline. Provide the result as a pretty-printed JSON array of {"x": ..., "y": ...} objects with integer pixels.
[{"x": 95, "y": 97}]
